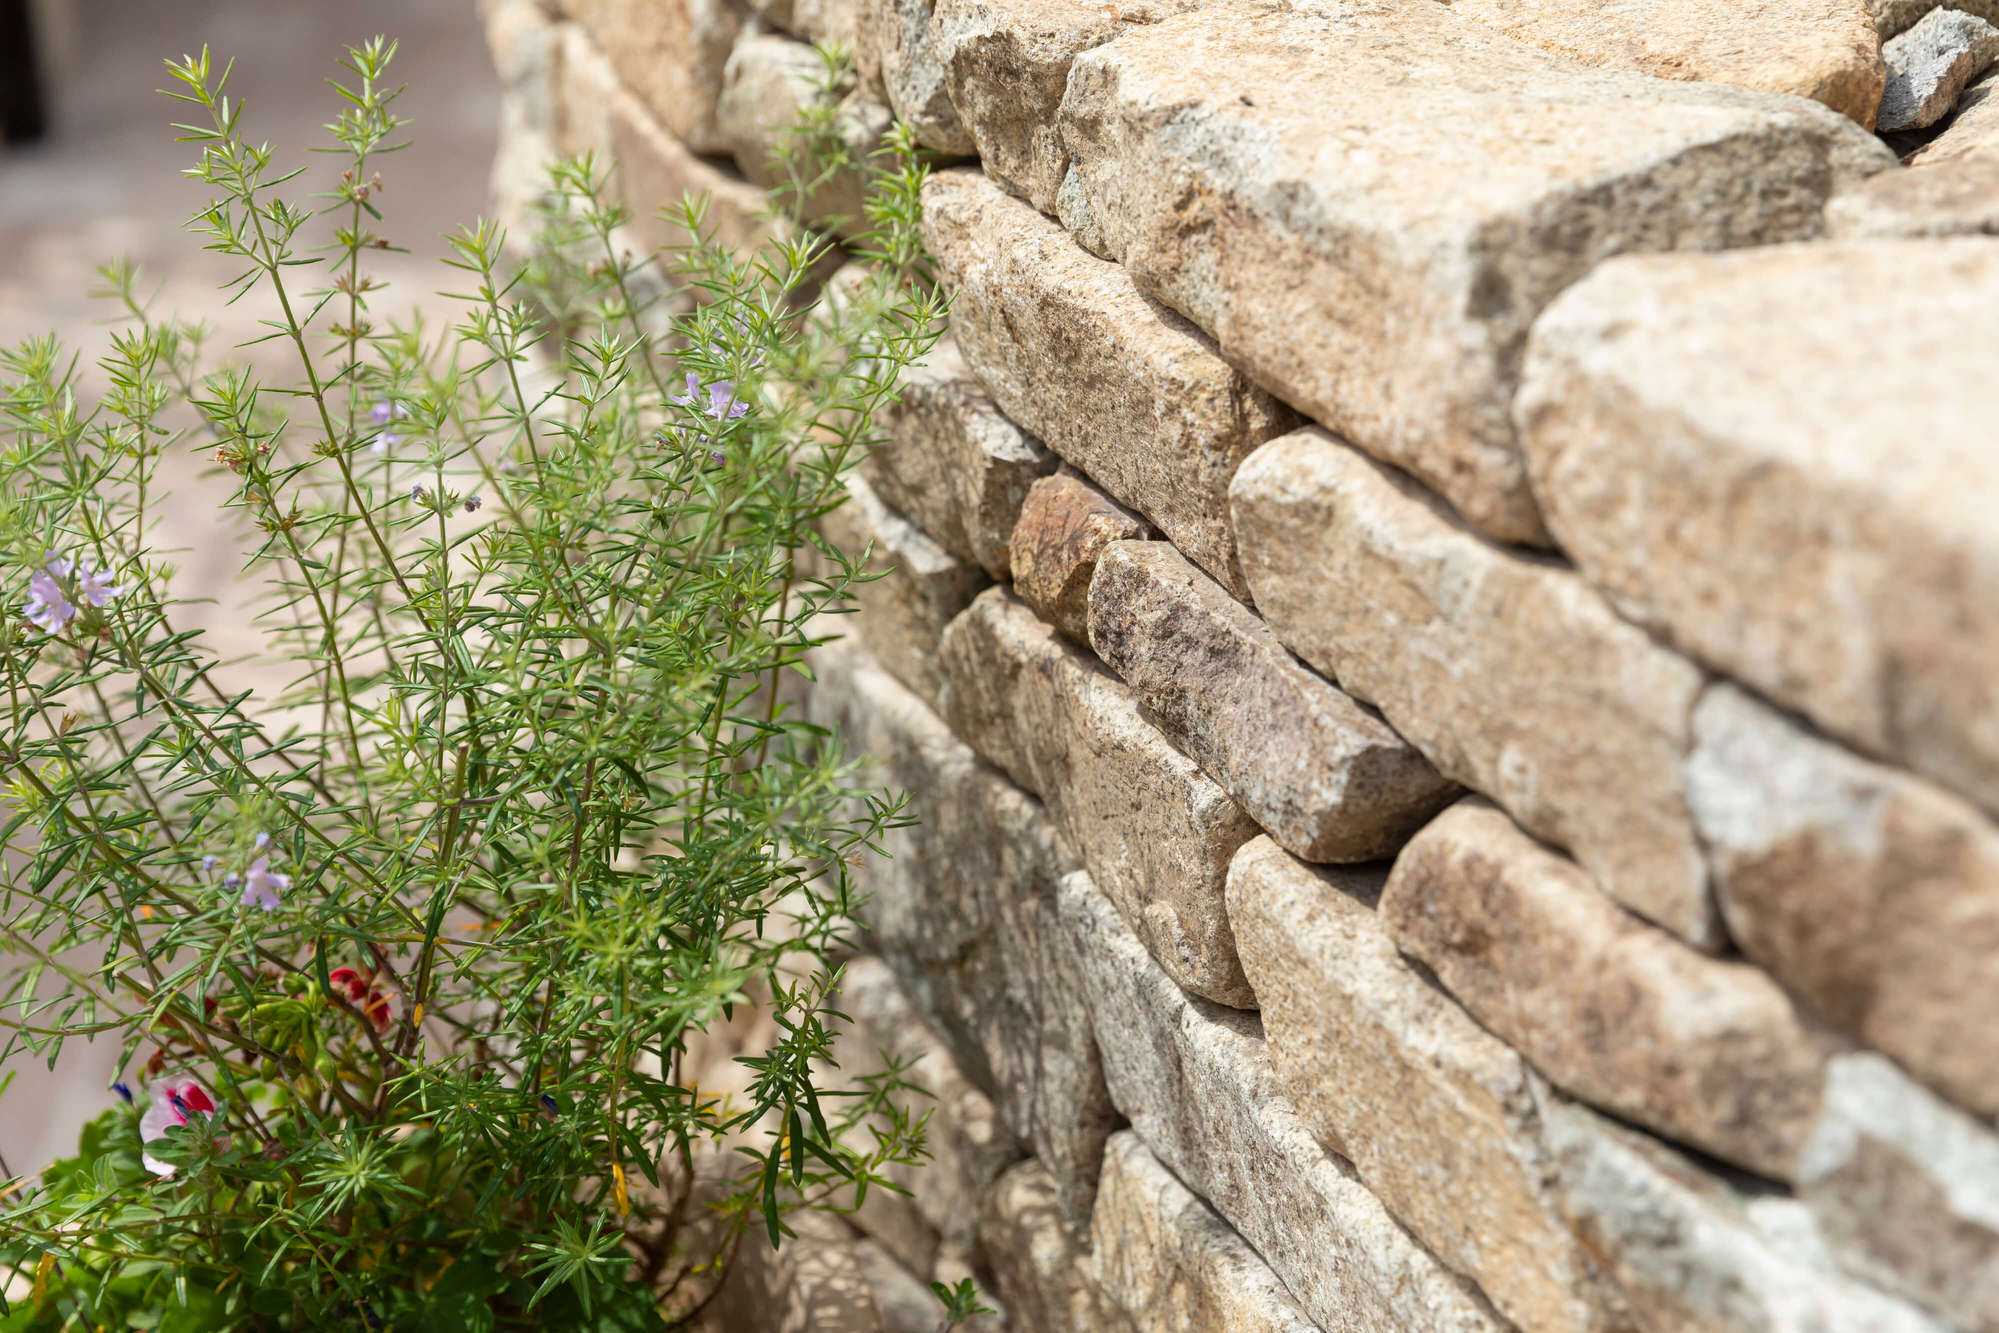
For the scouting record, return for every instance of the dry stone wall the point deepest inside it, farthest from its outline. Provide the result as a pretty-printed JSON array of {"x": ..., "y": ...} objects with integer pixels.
[{"x": 1442, "y": 629}]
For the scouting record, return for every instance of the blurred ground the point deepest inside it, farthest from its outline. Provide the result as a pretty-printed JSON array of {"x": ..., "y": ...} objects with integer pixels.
[{"x": 107, "y": 183}]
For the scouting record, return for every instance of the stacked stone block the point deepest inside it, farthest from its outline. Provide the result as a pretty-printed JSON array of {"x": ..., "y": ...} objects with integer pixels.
[{"x": 1441, "y": 632}]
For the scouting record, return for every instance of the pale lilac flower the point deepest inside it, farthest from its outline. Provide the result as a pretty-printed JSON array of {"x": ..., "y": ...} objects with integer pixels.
[
  {"x": 97, "y": 588},
  {"x": 472, "y": 503},
  {"x": 383, "y": 442},
  {"x": 722, "y": 404},
  {"x": 382, "y": 413},
  {"x": 175, "y": 1101},
  {"x": 47, "y": 607},
  {"x": 208, "y": 863},
  {"x": 418, "y": 490},
  {"x": 231, "y": 880},
  {"x": 263, "y": 841},
  {"x": 262, "y": 885},
  {"x": 717, "y": 456}
]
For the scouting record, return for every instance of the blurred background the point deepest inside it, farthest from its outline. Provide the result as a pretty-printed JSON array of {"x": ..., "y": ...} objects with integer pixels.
[{"x": 102, "y": 179}]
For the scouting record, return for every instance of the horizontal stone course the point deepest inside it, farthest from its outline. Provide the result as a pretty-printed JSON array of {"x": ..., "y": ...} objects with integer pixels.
[
  {"x": 1808, "y": 514},
  {"x": 670, "y": 54},
  {"x": 1323, "y": 775},
  {"x": 1508, "y": 672},
  {"x": 768, "y": 86},
  {"x": 1368, "y": 204},
  {"x": 1151, "y": 828},
  {"x": 1116, "y": 384}
]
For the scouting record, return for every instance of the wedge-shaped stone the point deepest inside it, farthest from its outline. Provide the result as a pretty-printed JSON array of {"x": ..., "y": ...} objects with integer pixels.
[
  {"x": 1691, "y": 1252},
  {"x": 1826, "y": 50},
  {"x": 1867, "y": 891},
  {"x": 1150, "y": 827},
  {"x": 1973, "y": 130},
  {"x": 902, "y": 614},
  {"x": 1199, "y": 1090},
  {"x": 1954, "y": 197},
  {"x": 1174, "y": 1266},
  {"x": 1708, "y": 1052},
  {"x": 1906, "y": 1191},
  {"x": 1116, "y": 384},
  {"x": 963, "y": 905},
  {"x": 1368, "y": 204},
  {"x": 1041, "y": 1259},
  {"x": 671, "y": 54},
  {"x": 769, "y": 85},
  {"x": 1930, "y": 64},
  {"x": 1734, "y": 471},
  {"x": 1064, "y": 527},
  {"x": 1509, "y": 673},
  {"x": 1324, "y": 776},
  {"x": 899, "y": 48},
  {"x": 950, "y": 460},
  {"x": 1441, "y": 1119}
]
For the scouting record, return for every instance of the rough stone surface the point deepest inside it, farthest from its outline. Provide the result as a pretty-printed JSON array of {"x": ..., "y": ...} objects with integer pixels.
[
  {"x": 1150, "y": 827},
  {"x": 1930, "y": 64},
  {"x": 1689, "y": 1252},
  {"x": 1509, "y": 673},
  {"x": 1973, "y": 130},
  {"x": 1065, "y": 525},
  {"x": 902, "y": 614},
  {"x": 1441, "y": 1119},
  {"x": 1174, "y": 1266},
  {"x": 963, "y": 905},
  {"x": 1895, "y": 16},
  {"x": 671, "y": 54},
  {"x": 1041, "y": 1258},
  {"x": 1868, "y": 892},
  {"x": 968, "y": 1145},
  {"x": 1906, "y": 1191},
  {"x": 1123, "y": 388},
  {"x": 769, "y": 83},
  {"x": 823, "y": 21},
  {"x": 1199, "y": 1090},
  {"x": 815, "y": 1283},
  {"x": 1735, "y": 472},
  {"x": 1826, "y": 50},
  {"x": 898, "y": 47},
  {"x": 1955, "y": 197},
  {"x": 1368, "y": 205},
  {"x": 951, "y": 461},
  {"x": 1324, "y": 776},
  {"x": 1708, "y": 1052}
]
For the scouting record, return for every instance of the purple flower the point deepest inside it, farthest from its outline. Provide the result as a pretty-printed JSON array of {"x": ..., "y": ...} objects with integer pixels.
[
  {"x": 383, "y": 442},
  {"x": 231, "y": 880},
  {"x": 48, "y": 606},
  {"x": 722, "y": 404},
  {"x": 122, "y": 1090},
  {"x": 263, "y": 841},
  {"x": 383, "y": 412},
  {"x": 208, "y": 863},
  {"x": 97, "y": 588},
  {"x": 472, "y": 503},
  {"x": 717, "y": 456},
  {"x": 263, "y": 885},
  {"x": 418, "y": 491}
]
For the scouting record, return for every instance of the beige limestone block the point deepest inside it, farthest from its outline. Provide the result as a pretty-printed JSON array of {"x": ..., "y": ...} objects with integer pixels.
[
  {"x": 1065, "y": 525},
  {"x": 1826, "y": 50},
  {"x": 899, "y": 48},
  {"x": 1509, "y": 673},
  {"x": 1323, "y": 775},
  {"x": 1116, "y": 384},
  {"x": 1626, "y": 1017},
  {"x": 1892, "y": 17},
  {"x": 1954, "y": 197},
  {"x": 1368, "y": 204},
  {"x": 768, "y": 86},
  {"x": 1930, "y": 64},
  {"x": 1808, "y": 512},
  {"x": 1199, "y": 1090},
  {"x": 1690, "y": 1252},
  {"x": 1973, "y": 130},
  {"x": 1867, "y": 891},
  {"x": 670, "y": 54},
  {"x": 963, "y": 906},
  {"x": 826, "y": 22},
  {"x": 815, "y": 1283},
  {"x": 923, "y": 587},
  {"x": 949, "y": 459},
  {"x": 1041, "y": 1259},
  {"x": 1441, "y": 1119},
  {"x": 1154, "y": 832},
  {"x": 1905, "y": 1191},
  {"x": 1174, "y": 1266}
]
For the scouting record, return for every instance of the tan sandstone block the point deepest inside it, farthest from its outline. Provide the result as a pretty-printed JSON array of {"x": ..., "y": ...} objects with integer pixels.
[
  {"x": 1065, "y": 525},
  {"x": 1973, "y": 130},
  {"x": 898, "y": 49},
  {"x": 951, "y": 460},
  {"x": 1708, "y": 1052},
  {"x": 1200, "y": 1091},
  {"x": 815, "y": 1283},
  {"x": 1124, "y": 389},
  {"x": 670, "y": 53},
  {"x": 1867, "y": 891},
  {"x": 1826, "y": 50},
  {"x": 825, "y": 22},
  {"x": 1324, "y": 776},
  {"x": 1954, "y": 197},
  {"x": 1368, "y": 204},
  {"x": 903, "y": 613},
  {"x": 1737, "y": 473},
  {"x": 1174, "y": 1266},
  {"x": 1154, "y": 832},
  {"x": 963, "y": 906},
  {"x": 1509, "y": 673},
  {"x": 1041, "y": 1259},
  {"x": 1441, "y": 1119},
  {"x": 768, "y": 85}
]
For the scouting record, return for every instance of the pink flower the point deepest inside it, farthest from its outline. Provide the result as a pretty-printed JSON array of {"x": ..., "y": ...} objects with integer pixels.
[
  {"x": 175, "y": 1102},
  {"x": 262, "y": 885}
]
